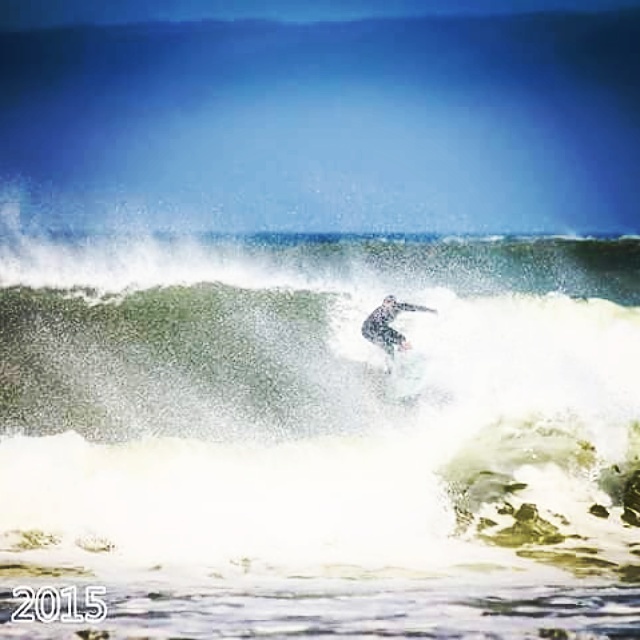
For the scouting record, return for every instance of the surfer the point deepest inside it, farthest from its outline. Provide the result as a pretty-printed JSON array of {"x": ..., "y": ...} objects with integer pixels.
[{"x": 376, "y": 327}]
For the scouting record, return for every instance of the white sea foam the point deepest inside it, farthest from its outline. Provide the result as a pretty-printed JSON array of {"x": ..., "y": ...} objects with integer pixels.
[{"x": 371, "y": 502}]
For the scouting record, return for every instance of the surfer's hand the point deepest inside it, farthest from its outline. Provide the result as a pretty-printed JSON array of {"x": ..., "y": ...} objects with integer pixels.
[{"x": 405, "y": 346}]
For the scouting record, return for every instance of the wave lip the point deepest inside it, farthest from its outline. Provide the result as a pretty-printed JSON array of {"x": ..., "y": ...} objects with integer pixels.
[{"x": 114, "y": 265}]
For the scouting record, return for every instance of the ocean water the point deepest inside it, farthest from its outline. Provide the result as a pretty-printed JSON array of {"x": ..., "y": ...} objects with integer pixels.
[{"x": 196, "y": 428}]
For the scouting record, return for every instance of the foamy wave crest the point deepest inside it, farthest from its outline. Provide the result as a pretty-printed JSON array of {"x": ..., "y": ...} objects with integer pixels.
[{"x": 126, "y": 264}]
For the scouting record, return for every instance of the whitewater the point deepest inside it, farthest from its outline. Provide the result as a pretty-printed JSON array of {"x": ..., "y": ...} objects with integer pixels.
[{"x": 197, "y": 425}]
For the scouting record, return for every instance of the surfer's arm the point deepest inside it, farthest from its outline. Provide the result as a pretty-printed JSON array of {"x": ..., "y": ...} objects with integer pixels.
[{"x": 405, "y": 306}]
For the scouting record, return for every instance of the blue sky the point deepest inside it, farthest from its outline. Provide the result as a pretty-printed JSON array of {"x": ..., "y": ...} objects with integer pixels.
[
  {"x": 483, "y": 125},
  {"x": 26, "y": 14}
]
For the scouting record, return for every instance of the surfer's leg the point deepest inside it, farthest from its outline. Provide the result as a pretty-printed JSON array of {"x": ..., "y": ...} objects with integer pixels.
[
  {"x": 388, "y": 361},
  {"x": 387, "y": 342},
  {"x": 392, "y": 338},
  {"x": 387, "y": 339}
]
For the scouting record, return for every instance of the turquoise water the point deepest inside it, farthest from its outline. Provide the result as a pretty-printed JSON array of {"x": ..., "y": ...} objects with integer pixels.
[{"x": 197, "y": 425}]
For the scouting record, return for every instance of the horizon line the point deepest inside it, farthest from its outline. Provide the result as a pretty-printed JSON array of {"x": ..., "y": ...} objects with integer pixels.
[{"x": 436, "y": 15}]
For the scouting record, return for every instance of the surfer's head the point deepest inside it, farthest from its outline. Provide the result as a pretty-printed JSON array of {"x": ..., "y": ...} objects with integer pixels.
[{"x": 390, "y": 300}]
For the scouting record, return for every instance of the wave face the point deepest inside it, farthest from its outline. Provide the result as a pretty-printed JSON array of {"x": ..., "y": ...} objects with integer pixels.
[{"x": 214, "y": 401}]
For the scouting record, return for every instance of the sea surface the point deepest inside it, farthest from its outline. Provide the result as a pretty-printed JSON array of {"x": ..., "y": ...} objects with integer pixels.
[{"x": 195, "y": 427}]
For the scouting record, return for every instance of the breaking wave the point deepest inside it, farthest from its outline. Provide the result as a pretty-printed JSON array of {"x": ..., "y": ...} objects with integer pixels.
[{"x": 215, "y": 402}]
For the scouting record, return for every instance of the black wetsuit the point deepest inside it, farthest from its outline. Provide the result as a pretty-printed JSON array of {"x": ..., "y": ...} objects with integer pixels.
[{"x": 376, "y": 327}]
